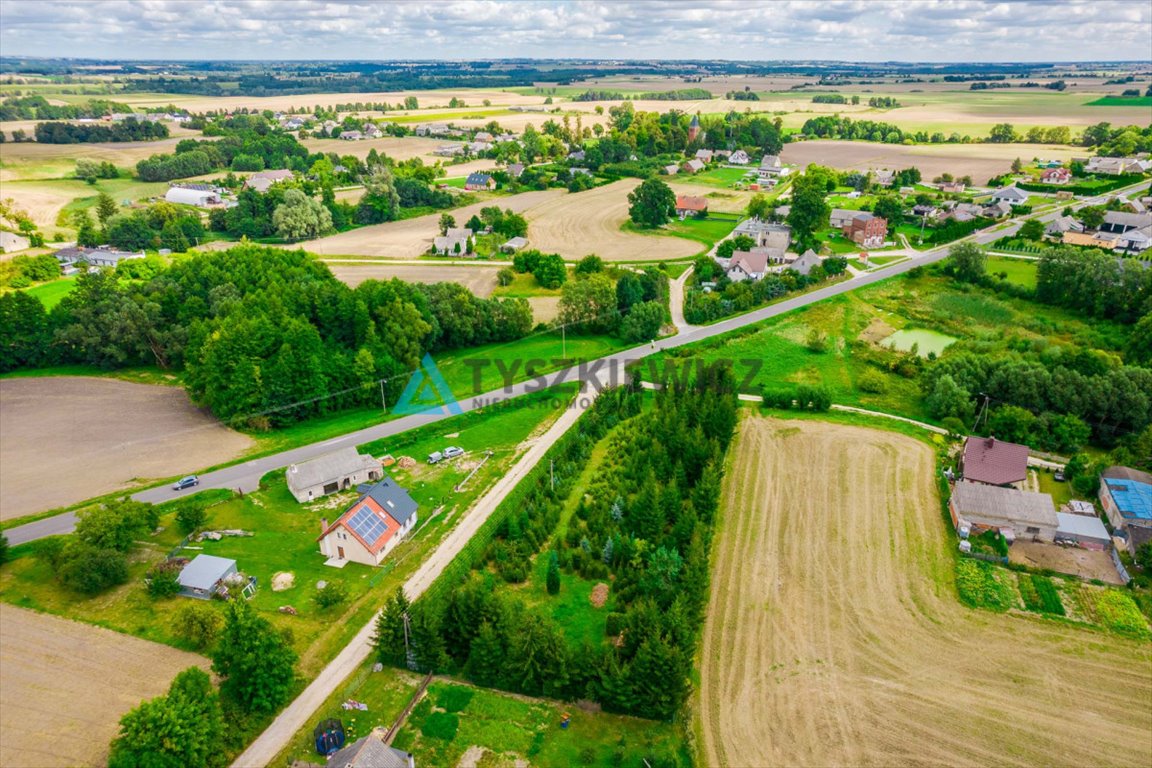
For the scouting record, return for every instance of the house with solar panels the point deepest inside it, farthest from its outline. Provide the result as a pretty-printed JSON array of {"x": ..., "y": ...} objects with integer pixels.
[
  {"x": 1126, "y": 495},
  {"x": 368, "y": 530}
]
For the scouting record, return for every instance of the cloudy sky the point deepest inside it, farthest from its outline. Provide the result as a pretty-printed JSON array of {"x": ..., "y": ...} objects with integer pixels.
[{"x": 861, "y": 30}]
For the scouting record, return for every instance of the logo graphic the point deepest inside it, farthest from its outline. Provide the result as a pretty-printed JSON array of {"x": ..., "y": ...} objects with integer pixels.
[{"x": 427, "y": 392}]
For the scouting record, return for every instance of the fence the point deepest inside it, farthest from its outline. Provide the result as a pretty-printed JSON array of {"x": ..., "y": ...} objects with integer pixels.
[{"x": 1120, "y": 569}]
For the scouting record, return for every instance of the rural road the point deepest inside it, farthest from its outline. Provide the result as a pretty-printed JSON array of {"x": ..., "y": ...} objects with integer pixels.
[
  {"x": 296, "y": 715},
  {"x": 246, "y": 476}
]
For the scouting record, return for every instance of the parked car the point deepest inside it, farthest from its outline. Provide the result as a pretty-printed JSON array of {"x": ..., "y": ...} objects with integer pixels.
[
  {"x": 185, "y": 482},
  {"x": 453, "y": 451},
  {"x": 435, "y": 457},
  {"x": 1059, "y": 476}
]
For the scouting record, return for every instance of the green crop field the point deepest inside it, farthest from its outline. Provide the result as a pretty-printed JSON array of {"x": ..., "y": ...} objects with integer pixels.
[{"x": 1121, "y": 101}]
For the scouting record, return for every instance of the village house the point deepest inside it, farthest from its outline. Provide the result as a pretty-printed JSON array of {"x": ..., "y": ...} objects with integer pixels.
[
  {"x": 1015, "y": 514},
  {"x": 690, "y": 205},
  {"x": 805, "y": 262},
  {"x": 866, "y": 230},
  {"x": 1056, "y": 176},
  {"x": 201, "y": 196},
  {"x": 477, "y": 180},
  {"x": 483, "y": 136},
  {"x": 448, "y": 150},
  {"x": 367, "y": 752},
  {"x": 771, "y": 167},
  {"x": 765, "y": 233},
  {"x": 515, "y": 170},
  {"x": 1126, "y": 496},
  {"x": 692, "y": 166},
  {"x": 330, "y": 473},
  {"x": 1061, "y": 224},
  {"x": 997, "y": 210},
  {"x": 351, "y": 135},
  {"x": 751, "y": 265},
  {"x": 1012, "y": 195},
  {"x": 577, "y": 156},
  {"x": 671, "y": 170},
  {"x": 1116, "y": 166},
  {"x": 739, "y": 157},
  {"x": 101, "y": 256},
  {"x": 579, "y": 172},
  {"x": 993, "y": 462},
  {"x": 371, "y": 527},
  {"x": 952, "y": 187},
  {"x": 883, "y": 177},
  {"x": 458, "y": 240},
  {"x": 926, "y": 211},
  {"x": 704, "y": 155},
  {"x": 262, "y": 180}
]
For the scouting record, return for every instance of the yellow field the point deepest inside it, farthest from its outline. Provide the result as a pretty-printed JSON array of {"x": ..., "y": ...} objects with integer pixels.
[{"x": 834, "y": 635}]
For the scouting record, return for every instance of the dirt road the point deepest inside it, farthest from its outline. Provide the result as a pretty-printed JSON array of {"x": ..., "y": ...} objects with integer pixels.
[
  {"x": 834, "y": 636},
  {"x": 67, "y": 684},
  {"x": 277, "y": 735}
]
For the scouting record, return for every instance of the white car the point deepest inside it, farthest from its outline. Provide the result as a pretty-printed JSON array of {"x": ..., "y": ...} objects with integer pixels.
[{"x": 453, "y": 451}]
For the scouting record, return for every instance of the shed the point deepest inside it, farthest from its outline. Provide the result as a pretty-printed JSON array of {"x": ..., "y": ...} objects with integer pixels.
[
  {"x": 332, "y": 472},
  {"x": 187, "y": 196},
  {"x": 1087, "y": 531},
  {"x": 514, "y": 244},
  {"x": 205, "y": 575}
]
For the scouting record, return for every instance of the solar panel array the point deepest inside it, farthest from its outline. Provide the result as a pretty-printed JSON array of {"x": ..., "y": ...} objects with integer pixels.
[{"x": 367, "y": 525}]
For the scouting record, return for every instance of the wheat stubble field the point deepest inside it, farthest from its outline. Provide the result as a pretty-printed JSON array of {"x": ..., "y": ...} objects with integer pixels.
[{"x": 834, "y": 637}]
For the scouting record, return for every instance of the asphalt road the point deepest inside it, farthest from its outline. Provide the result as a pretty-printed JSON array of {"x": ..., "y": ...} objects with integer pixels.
[{"x": 246, "y": 476}]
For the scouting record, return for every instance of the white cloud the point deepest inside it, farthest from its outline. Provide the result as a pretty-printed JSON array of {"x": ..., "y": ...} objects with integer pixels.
[{"x": 865, "y": 30}]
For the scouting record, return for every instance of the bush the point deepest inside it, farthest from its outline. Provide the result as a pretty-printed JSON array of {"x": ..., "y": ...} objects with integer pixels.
[
  {"x": 90, "y": 570},
  {"x": 441, "y": 725},
  {"x": 198, "y": 623},
  {"x": 163, "y": 578},
  {"x": 454, "y": 698},
  {"x": 191, "y": 516},
  {"x": 813, "y": 398},
  {"x": 872, "y": 381},
  {"x": 778, "y": 398},
  {"x": 505, "y": 276},
  {"x": 333, "y": 593},
  {"x": 817, "y": 341},
  {"x": 613, "y": 623}
]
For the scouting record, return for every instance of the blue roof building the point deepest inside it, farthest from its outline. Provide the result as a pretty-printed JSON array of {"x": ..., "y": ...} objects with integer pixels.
[{"x": 1126, "y": 495}]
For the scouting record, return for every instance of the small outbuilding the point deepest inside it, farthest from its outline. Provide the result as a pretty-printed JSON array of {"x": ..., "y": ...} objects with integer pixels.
[
  {"x": 514, "y": 244},
  {"x": 330, "y": 473},
  {"x": 1086, "y": 531},
  {"x": 206, "y": 575}
]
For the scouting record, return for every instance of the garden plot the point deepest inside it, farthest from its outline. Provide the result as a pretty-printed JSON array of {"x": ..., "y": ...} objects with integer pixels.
[
  {"x": 103, "y": 435},
  {"x": 835, "y": 637},
  {"x": 65, "y": 686}
]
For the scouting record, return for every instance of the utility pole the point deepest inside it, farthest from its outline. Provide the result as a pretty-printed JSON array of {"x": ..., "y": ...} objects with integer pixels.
[
  {"x": 408, "y": 660},
  {"x": 383, "y": 402}
]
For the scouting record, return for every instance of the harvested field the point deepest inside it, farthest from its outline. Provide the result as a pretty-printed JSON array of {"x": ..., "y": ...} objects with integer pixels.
[
  {"x": 480, "y": 280},
  {"x": 835, "y": 637},
  {"x": 66, "y": 685},
  {"x": 98, "y": 435},
  {"x": 30, "y": 160},
  {"x": 589, "y": 222},
  {"x": 396, "y": 148},
  {"x": 427, "y": 99},
  {"x": 980, "y": 161},
  {"x": 413, "y": 237}
]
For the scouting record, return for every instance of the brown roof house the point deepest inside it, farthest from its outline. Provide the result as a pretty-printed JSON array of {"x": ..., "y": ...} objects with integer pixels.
[
  {"x": 689, "y": 205},
  {"x": 993, "y": 462},
  {"x": 866, "y": 230},
  {"x": 976, "y": 507}
]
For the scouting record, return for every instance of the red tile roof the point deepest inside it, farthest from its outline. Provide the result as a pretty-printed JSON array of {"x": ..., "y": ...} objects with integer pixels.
[
  {"x": 690, "y": 203},
  {"x": 992, "y": 461}
]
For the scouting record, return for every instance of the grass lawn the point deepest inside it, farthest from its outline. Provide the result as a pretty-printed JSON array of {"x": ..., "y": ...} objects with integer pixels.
[
  {"x": 524, "y": 286},
  {"x": 1121, "y": 101},
  {"x": 52, "y": 292},
  {"x": 434, "y": 115},
  {"x": 707, "y": 231},
  {"x": 1019, "y": 271},
  {"x": 836, "y": 242},
  {"x": 1061, "y": 493},
  {"x": 455, "y": 716},
  {"x": 285, "y": 540},
  {"x": 718, "y": 177}
]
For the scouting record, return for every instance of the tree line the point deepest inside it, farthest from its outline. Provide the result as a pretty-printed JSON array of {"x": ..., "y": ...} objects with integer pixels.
[
  {"x": 265, "y": 336},
  {"x": 645, "y": 523},
  {"x": 130, "y": 129},
  {"x": 38, "y": 108}
]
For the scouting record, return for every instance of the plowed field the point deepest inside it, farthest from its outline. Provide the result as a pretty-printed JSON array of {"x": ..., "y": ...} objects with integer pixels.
[{"x": 834, "y": 636}]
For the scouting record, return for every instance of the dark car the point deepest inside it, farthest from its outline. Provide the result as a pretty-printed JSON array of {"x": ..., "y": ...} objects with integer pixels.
[{"x": 185, "y": 482}]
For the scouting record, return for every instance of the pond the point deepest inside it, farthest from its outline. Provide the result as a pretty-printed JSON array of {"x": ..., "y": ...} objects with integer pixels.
[{"x": 927, "y": 341}]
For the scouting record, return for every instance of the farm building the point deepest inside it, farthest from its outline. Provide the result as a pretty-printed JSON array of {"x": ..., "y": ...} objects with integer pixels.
[
  {"x": 671, "y": 170},
  {"x": 208, "y": 575},
  {"x": 101, "y": 256},
  {"x": 514, "y": 244},
  {"x": 262, "y": 180},
  {"x": 332, "y": 472},
  {"x": 692, "y": 166},
  {"x": 1086, "y": 531},
  {"x": 976, "y": 507},
  {"x": 201, "y": 198},
  {"x": 704, "y": 155},
  {"x": 771, "y": 166},
  {"x": 479, "y": 180},
  {"x": 1126, "y": 495},
  {"x": 690, "y": 205},
  {"x": 993, "y": 462},
  {"x": 371, "y": 752},
  {"x": 370, "y": 527},
  {"x": 10, "y": 242}
]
